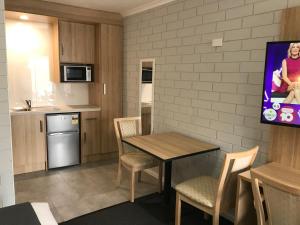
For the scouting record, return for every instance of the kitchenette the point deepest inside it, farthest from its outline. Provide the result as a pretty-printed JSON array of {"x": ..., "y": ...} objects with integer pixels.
[
  {"x": 54, "y": 137},
  {"x": 64, "y": 90}
]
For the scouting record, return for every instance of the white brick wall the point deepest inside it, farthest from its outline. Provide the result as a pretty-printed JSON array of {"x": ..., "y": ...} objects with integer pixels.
[
  {"x": 210, "y": 93},
  {"x": 7, "y": 196}
]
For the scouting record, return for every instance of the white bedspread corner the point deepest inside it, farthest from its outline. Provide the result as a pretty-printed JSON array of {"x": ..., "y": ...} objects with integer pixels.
[{"x": 43, "y": 213}]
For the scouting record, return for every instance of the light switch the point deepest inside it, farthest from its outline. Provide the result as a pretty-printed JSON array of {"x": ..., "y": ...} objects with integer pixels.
[{"x": 218, "y": 42}]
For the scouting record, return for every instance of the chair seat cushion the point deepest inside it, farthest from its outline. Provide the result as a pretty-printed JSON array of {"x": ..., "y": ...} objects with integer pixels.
[
  {"x": 200, "y": 189},
  {"x": 138, "y": 160}
]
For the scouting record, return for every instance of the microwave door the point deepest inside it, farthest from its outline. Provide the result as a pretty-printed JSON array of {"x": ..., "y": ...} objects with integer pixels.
[{"x": 75, "y": 73}]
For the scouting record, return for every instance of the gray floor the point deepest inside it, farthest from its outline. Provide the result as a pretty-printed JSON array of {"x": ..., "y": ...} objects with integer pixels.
[{"x": 75, "y": 191}]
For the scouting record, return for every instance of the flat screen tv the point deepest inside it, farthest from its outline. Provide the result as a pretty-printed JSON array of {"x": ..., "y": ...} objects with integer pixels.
[{"x": 281, "y": 91}]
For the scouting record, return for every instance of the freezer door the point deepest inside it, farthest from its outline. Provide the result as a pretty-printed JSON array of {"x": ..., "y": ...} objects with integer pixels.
[
  {"x": 57, "y": 123},
  {"x": 63, "y": 149}
]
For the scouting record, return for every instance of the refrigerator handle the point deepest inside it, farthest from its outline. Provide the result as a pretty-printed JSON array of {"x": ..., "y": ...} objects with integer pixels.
[{"x": 56, "y": 134}]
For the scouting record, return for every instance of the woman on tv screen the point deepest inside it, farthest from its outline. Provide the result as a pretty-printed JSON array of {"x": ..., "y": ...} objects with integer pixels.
[{"x": 291, "y": 74}]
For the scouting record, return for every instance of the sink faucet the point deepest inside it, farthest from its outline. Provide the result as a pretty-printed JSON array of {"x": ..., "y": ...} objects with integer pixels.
[{"x": 28, "y": 103}]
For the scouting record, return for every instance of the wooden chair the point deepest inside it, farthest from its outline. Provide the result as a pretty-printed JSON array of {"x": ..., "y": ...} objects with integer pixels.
[
  {"x": 134, "y": 160},
  {"x": 206, "y": 193},
  {"x": 281, "y": 201}
]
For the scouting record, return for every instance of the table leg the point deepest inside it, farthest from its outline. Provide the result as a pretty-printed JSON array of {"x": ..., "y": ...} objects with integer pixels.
[{"x": 167, "y": 182}]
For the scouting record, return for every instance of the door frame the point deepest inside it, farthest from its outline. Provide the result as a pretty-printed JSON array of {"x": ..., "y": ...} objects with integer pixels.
[{"x": 153, "y": 86}]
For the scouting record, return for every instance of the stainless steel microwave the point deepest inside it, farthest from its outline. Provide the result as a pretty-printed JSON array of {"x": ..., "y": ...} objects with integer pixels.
[{"x": 76, "y": 73}]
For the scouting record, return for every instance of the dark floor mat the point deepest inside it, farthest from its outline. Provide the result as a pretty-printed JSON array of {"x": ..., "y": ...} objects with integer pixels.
[{"x": 149, "y": 210}]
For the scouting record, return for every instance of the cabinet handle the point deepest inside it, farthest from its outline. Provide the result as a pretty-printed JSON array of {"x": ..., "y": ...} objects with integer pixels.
[
  {"x": 94, "y": 118},
  {"x": 41, "y": 126},
  {"x": 104, "y": 89},
  {"x": 62, "y": 49},
  {"x": 84, "y": 137}
]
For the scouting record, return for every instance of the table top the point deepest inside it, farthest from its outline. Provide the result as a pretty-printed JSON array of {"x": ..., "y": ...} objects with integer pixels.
[
  {"x": 287, "y": 177},
  {"x": 170, "y": 146}
]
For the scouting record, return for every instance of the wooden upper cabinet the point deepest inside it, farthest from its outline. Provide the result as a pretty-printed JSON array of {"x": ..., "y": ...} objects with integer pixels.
[
  {"x": 28, "y": 142},
  {"x": 76, "y": 42}
]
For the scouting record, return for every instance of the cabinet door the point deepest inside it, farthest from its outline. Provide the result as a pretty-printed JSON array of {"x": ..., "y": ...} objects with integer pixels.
[
  {"x": 111, "y": 71},
  {"x": 77, "y": 42},
  {"x": 90, "y": 136},
  {"x": 65, "y": 41},
  {"x": 29, "y": 143}
]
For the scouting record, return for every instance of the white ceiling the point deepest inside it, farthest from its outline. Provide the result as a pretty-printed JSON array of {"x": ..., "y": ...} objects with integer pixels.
[{"x": 124, "y": 7}]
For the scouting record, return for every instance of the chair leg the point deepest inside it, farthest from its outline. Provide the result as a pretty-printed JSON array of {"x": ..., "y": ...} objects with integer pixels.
[
  {"x": 178, "y": 210},
  {"x": 216, "y": 219},
  {"x": 160, "y": 171},
  {"x": 132, "y": 185},
  {"x": 119, "y": 173},
  {"x": 139, "y": 176}
]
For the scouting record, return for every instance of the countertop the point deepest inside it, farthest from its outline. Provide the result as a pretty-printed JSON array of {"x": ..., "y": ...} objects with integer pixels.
[{"x": 58, "y": 109}]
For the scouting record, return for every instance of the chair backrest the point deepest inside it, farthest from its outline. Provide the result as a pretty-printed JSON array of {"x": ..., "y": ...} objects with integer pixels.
[
  {"x": 126, "y": 127},
  {"x": 282, "y": 203},
  {"x": 234, "y": 164}
]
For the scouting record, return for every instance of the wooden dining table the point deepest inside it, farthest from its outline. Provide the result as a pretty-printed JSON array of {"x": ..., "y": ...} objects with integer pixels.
[{"x": 168, "y": 147}]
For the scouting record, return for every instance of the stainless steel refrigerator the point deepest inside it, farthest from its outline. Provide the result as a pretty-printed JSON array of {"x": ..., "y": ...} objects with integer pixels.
[{"x": 63, "y": 140}]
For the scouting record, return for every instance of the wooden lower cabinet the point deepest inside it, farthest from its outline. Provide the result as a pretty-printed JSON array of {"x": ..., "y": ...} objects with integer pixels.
[
  {"x": 90, "y": 137},
  {"x": 28, "y": 142}
]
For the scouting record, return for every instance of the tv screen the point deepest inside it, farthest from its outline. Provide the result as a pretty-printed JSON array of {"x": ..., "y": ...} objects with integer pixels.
[{"x": 281, "y": 92}]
